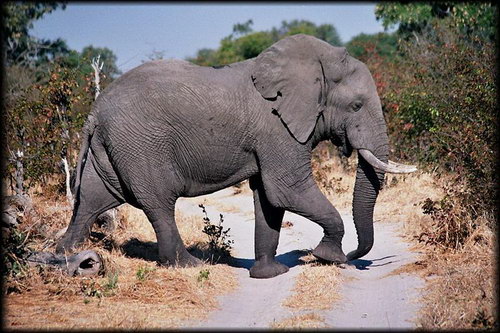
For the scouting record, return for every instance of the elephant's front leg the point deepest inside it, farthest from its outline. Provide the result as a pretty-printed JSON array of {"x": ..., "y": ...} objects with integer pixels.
[
  {"x": 305, "y": 199},
  {"x": 309, "y": 202},
  {"x": 267, "y": 231}
]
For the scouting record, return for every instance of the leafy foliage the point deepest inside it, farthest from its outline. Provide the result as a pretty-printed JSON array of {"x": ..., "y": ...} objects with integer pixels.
[
  {"x": 43, "y": 123},
  {"x": 48, "y": 92},
  {"x": 467, "y": 18},
  {"x": 14, "y": 252},
  {"x": 20, "y": 47},
  {"x": 244, "y": 44},
  {"x": 144, "y": 272},
  {"x": 443, "y": 110},
  {"x": 384, "y": 44},
  {"x": 82, "y": 60},
  {"x": 439, "y": 96}
]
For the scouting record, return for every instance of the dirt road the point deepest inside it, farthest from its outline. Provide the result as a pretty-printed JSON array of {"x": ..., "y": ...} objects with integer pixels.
[{"x": 371, "y": 296}]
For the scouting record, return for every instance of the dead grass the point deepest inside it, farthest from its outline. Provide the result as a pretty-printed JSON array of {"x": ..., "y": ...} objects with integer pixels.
[
  {"x": 335, "y": 180},
  {"x": 135, "y": 293},
  {"x": 303, "y": 321},
  {"x": 316, "y": 288},
  {"x": 402, "y": 197},
  {"x": 461, "y": 286}
]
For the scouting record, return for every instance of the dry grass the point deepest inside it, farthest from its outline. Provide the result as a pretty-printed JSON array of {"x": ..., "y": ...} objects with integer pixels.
[
  {"x": 135, "y": 293},
  {"x": 335, "y": 181},
  {"x": 461, "y": 285},
  {"x": 303, "y": 321},
  {"x": 315, "y": 289},
  {"x": 402, "y": 197}
]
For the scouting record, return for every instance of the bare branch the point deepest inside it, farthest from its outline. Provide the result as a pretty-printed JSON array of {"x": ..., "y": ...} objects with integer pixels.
[{"x": 97, "y": 66}]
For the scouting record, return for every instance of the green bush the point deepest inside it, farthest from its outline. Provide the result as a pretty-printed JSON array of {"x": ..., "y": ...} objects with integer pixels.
[{"x": 442, "y": 110}]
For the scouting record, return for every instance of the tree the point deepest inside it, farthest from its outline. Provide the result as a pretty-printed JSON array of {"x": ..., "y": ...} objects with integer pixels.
[
  {"x": 48, "y": 92},
  {"x": 42, "y": 126},
  {"x": 19, "y": 46},
  {"x": 386, "y": 45},
  {"x": 244, "y": 43},
  {"x": 326, "y": 32},
  {"x": 242, "y": 28},
  {"x": 468, "y": 18},
  {"x": 329, "y": 34},
  {"x": 107, "y": 57}
]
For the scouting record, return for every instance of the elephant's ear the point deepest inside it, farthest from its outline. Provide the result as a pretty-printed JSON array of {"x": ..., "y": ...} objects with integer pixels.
[{"x": 290, "y": 74}]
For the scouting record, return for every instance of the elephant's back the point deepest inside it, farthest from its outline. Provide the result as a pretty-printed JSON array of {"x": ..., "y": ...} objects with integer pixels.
[
  {"x": 175, "y": 103},
  {"x": 162, "y": 74},
  {"x": 174, "y": 116}
]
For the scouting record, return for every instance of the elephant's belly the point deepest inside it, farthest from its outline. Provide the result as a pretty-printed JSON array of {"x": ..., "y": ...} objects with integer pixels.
[{"x": 213, "y": 169}]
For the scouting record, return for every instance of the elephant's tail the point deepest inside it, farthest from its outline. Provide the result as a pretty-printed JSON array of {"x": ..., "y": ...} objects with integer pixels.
[{"x": 87, "y": 133}]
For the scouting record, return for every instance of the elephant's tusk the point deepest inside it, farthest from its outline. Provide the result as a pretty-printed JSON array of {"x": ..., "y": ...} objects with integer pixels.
[{"x": 391, "y": 167}]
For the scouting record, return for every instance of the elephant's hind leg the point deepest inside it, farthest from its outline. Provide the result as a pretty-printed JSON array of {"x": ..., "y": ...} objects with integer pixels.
[
  {"x": 171, "y": 249},
  {"x": 267, "y": 231},
  {"x": 92, "y": 199}
]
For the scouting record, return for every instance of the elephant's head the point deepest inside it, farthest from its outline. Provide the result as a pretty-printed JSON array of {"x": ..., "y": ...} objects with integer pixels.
[{"x": 320, "y": 92}]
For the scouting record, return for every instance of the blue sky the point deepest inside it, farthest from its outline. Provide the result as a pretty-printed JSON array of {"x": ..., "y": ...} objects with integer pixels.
[{"x": 134, "y": 30}]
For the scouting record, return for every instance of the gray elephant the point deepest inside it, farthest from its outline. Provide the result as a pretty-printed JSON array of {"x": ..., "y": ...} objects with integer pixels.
[{"x": 170, "y": 129}]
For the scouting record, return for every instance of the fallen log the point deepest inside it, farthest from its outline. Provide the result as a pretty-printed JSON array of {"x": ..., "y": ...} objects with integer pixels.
[{"x": 84, "y": 263}]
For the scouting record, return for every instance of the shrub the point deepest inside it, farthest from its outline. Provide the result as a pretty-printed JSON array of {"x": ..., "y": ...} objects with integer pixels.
[
  {"x": 14, "y": 252},
  {"x": 43, "y": 122},
  {"x": 441, "y": 111},
  {"x": 218, "y": 239}
]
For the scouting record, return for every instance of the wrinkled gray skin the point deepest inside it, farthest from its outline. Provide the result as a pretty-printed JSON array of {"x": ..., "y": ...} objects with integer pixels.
[{"x": 170, "y": 129}]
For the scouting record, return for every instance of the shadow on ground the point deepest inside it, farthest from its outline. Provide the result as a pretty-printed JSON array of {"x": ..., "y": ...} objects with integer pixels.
[
  {"x": 135, "y": 248},
  {"x": 363, "y": 264},
  {"x": 145, "y": 250}
]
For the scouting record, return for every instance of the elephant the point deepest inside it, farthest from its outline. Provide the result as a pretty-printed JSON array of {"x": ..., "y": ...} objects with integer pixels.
[{"x": 169, "y": 128}]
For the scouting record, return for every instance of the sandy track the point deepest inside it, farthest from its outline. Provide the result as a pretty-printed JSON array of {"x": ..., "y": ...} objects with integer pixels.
[{"x": 371, "y": 297}]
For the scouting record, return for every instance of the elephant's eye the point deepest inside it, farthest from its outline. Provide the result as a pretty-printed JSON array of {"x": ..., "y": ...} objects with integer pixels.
[{"x": 356, "y": 105}]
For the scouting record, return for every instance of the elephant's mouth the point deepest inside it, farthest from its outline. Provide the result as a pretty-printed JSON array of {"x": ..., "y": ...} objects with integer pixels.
[{"x": 342, "y": 141}]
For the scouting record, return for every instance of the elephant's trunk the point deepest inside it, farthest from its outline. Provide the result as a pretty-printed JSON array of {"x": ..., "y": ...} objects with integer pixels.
[{"x": 368, "y": 184}]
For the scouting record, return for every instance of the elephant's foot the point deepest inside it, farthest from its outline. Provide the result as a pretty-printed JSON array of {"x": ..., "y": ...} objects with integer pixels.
[
  {"x": 267, "y": 268},
  {"x": 186, "y": 260},
  {"x": 330, "y": 252}
]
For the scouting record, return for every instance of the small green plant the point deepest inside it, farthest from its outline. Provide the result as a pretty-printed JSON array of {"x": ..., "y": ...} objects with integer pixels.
[
  {"x": 14, "y": 252},
  {"x": 144, "y": 272},
  {"x": 112, "y": 283},
  {"x": 218, "y": 239},
  {"x": 203, "y": 275},
  {"x": 91, "y": 289}
]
